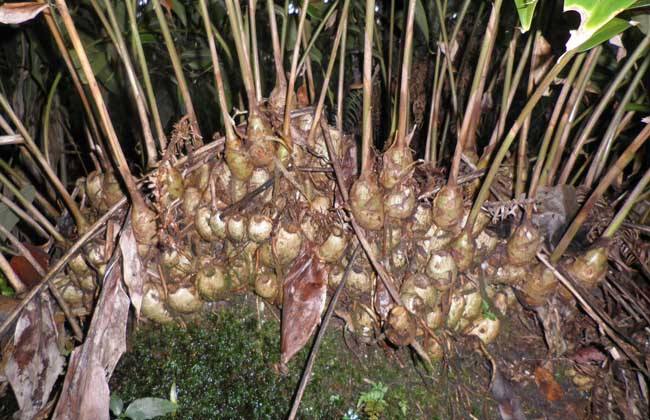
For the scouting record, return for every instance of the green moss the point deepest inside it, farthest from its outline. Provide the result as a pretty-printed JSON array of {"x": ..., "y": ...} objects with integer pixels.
[{"x": 223, "y": 368}]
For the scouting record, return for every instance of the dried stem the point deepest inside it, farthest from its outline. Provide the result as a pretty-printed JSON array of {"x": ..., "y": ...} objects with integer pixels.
[
  {"x": 21, "y": 214},
  {"x": 618, "y": 166}
]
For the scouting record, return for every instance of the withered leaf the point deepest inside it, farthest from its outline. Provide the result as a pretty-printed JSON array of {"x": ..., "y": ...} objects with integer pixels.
[
  {"x": 35, "y": 363},
  {"x": 15, "y": 13},
  {"x": 134, "y": 271},
  {"x": 305, "y": 292},
  {"x": 548, "y": 385},
  {"x": 85, "y": 393}
]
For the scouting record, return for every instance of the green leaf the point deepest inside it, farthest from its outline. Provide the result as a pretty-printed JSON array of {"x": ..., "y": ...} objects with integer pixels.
[
  {"x": 7, "y": 217},
  {"x": 116, "y": 405},
  {"x": 604, "y": 34},
  {"x": 148, "y": 408},
  {"x": 421, "y": 21},
  {"x": 526, "y": 10},
  {"x": 642, "y": 22},
  {"x": 640, "y": 4},
  {"x": 594, "y": 14}
]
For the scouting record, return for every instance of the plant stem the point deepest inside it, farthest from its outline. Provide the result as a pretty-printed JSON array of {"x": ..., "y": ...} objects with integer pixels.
[
  {"x": 366, "y": 130},
  {"x": 631, "y": 200},
  {"x": 136, "y": 197},
  {"x": 604, "y": 101},
  {"x": 242, "y": 55},
  {"x": 606, "y": 181},
  {"x": 20, "y": 213},
  {"x": 568, "y": 119},
  {"x": 177, "y": 66},
  {"x": 391, "y": 30},
  {"x": 47, "y": 169},
  {"x": 559, "y": 104},
  {"x": 600, "y": 159},
  {"x": 448, "y": 53},
  {"x": 510, "y": 137},
  {"x": 21, "y": 181},
  {"x": 11, "y": 275},
  {"x": 144, "y": 69},
  {"x": 252, "y": 6},
  {"x": 136, "y": 90},
  {"x": 286, "y": 132},
  {"x": 230, "y": 132},
  {"x": 280, "y": 79},
  {"x": 46, "y": 117},
  {"x": 342, "y": 28},
  {"x": 402, "y": 122},
  {"x": 314, "y": 35},
  {"x": 341, "y": 82}
]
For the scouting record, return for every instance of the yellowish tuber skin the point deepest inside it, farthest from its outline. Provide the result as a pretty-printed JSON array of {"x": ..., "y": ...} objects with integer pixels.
[
  {"x": 366, "y": 201},
  {"x": 590, "y": 267},
  {"x": 211, "y": 282},
  {"x": 448, "y": 207},
  {"x": 286, "y": 244},
  {"x": 400, "y": 326},
  {"x": 185, "y": 300},
  {"x": 524, "y": 244},
  {"x": 267, "y": 286}
]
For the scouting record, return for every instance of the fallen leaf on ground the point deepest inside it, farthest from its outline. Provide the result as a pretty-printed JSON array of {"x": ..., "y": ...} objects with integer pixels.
[{"x": 548, "y": 385}]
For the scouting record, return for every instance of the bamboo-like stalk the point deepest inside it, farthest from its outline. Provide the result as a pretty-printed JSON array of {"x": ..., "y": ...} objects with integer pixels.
[
  {"x": 252, "y": 6},
  {"x": 366, "y": 129},
  {"x": 11, "y": 275},
  {"x": 618, "y": 166},
  {"x": 391, "y": 30},
  {"x": 144, "y": 69},
  {"x": 448, "y": 52},
  {"x": 230, "y": 132},
  {"x": 41, "y": 272},
  {"x": 631, "y": 200},
  {"x": 342, "y": 28},
  {"x": 402, "y": 121},
  {"x": 280, "y": 79},
  {"x": 244, "y": 63},
  {"x": 503, "y": 113},
  {"x": 550, "y": 128},
  {"x": 140, "y": 103},
  {"x": 568, "y": 119},
  {"x": 600, "y": 158},
  {"x": 621, "y": 75},
  {"x": 45, "y": 167},
  {"x": 341, "y": 83},
  {"x": 311, "y": 87},
  {"x": 286, "y": 132},
  {"x": 21, "y": 214},
  {"x": 467, "y": 134},
  {"x": 136, "y": 197},
  {"x": 510, "y": 137},
  {"x": 316, "y": 33},
  {"x": 177, "y": 66}
]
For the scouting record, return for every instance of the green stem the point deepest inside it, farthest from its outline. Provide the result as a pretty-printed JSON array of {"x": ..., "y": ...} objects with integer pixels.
[
  {"x": 613, "y": 172},
  {"x": 631, "y": 200},
  {"x": 604, "y": 101},
  {"x": 46, "y": 118},
  {"x": 252, "y": 6},
  {"x": 448, "y": 52},
  {"x": 366, "y": 130},
  {"x": 512, "y": 134},
  {"x": 144, "y": 69},
  {"x": 177, "y": 66},
  {"x": 600, "y": 159},
  {"x": 404, "y": 83},
  {"x": 314, "y": 35}
]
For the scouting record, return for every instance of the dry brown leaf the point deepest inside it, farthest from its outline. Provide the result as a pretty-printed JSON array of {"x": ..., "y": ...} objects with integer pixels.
[
  {"x": 134, "y": 272},
  {"x": 303, "y": 96},
  {"x": 15, "y": 13},
  {"x": 35, "y": 363},
  {"x": 548, "y": 385},
  {"x": 24, "y": 269},
  {"x": 305, "y": 292},
  {"x": 85, "y": 393}
]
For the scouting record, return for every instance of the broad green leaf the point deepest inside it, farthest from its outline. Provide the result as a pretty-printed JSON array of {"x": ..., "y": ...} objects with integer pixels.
[
  {"x": 116, "y": 405},
  {"x": 607, "y": 32},
  {"x": 179, "y": 10},
  {"x": 526, "y": 10},
  {"x": 640, "y": 4},
  {"x": 642, "y": 22},
  {"x": 594, "y": 14},
  {"x": 148, "y": 408},
  {"x": 421, "y": 21}
]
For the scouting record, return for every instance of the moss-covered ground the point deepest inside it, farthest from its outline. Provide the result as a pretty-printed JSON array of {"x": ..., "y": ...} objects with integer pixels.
[{"x": 223, "y": 369}]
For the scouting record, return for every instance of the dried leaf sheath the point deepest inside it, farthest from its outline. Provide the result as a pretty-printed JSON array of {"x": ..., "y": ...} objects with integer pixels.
[{"x": 305, "y": 292}]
